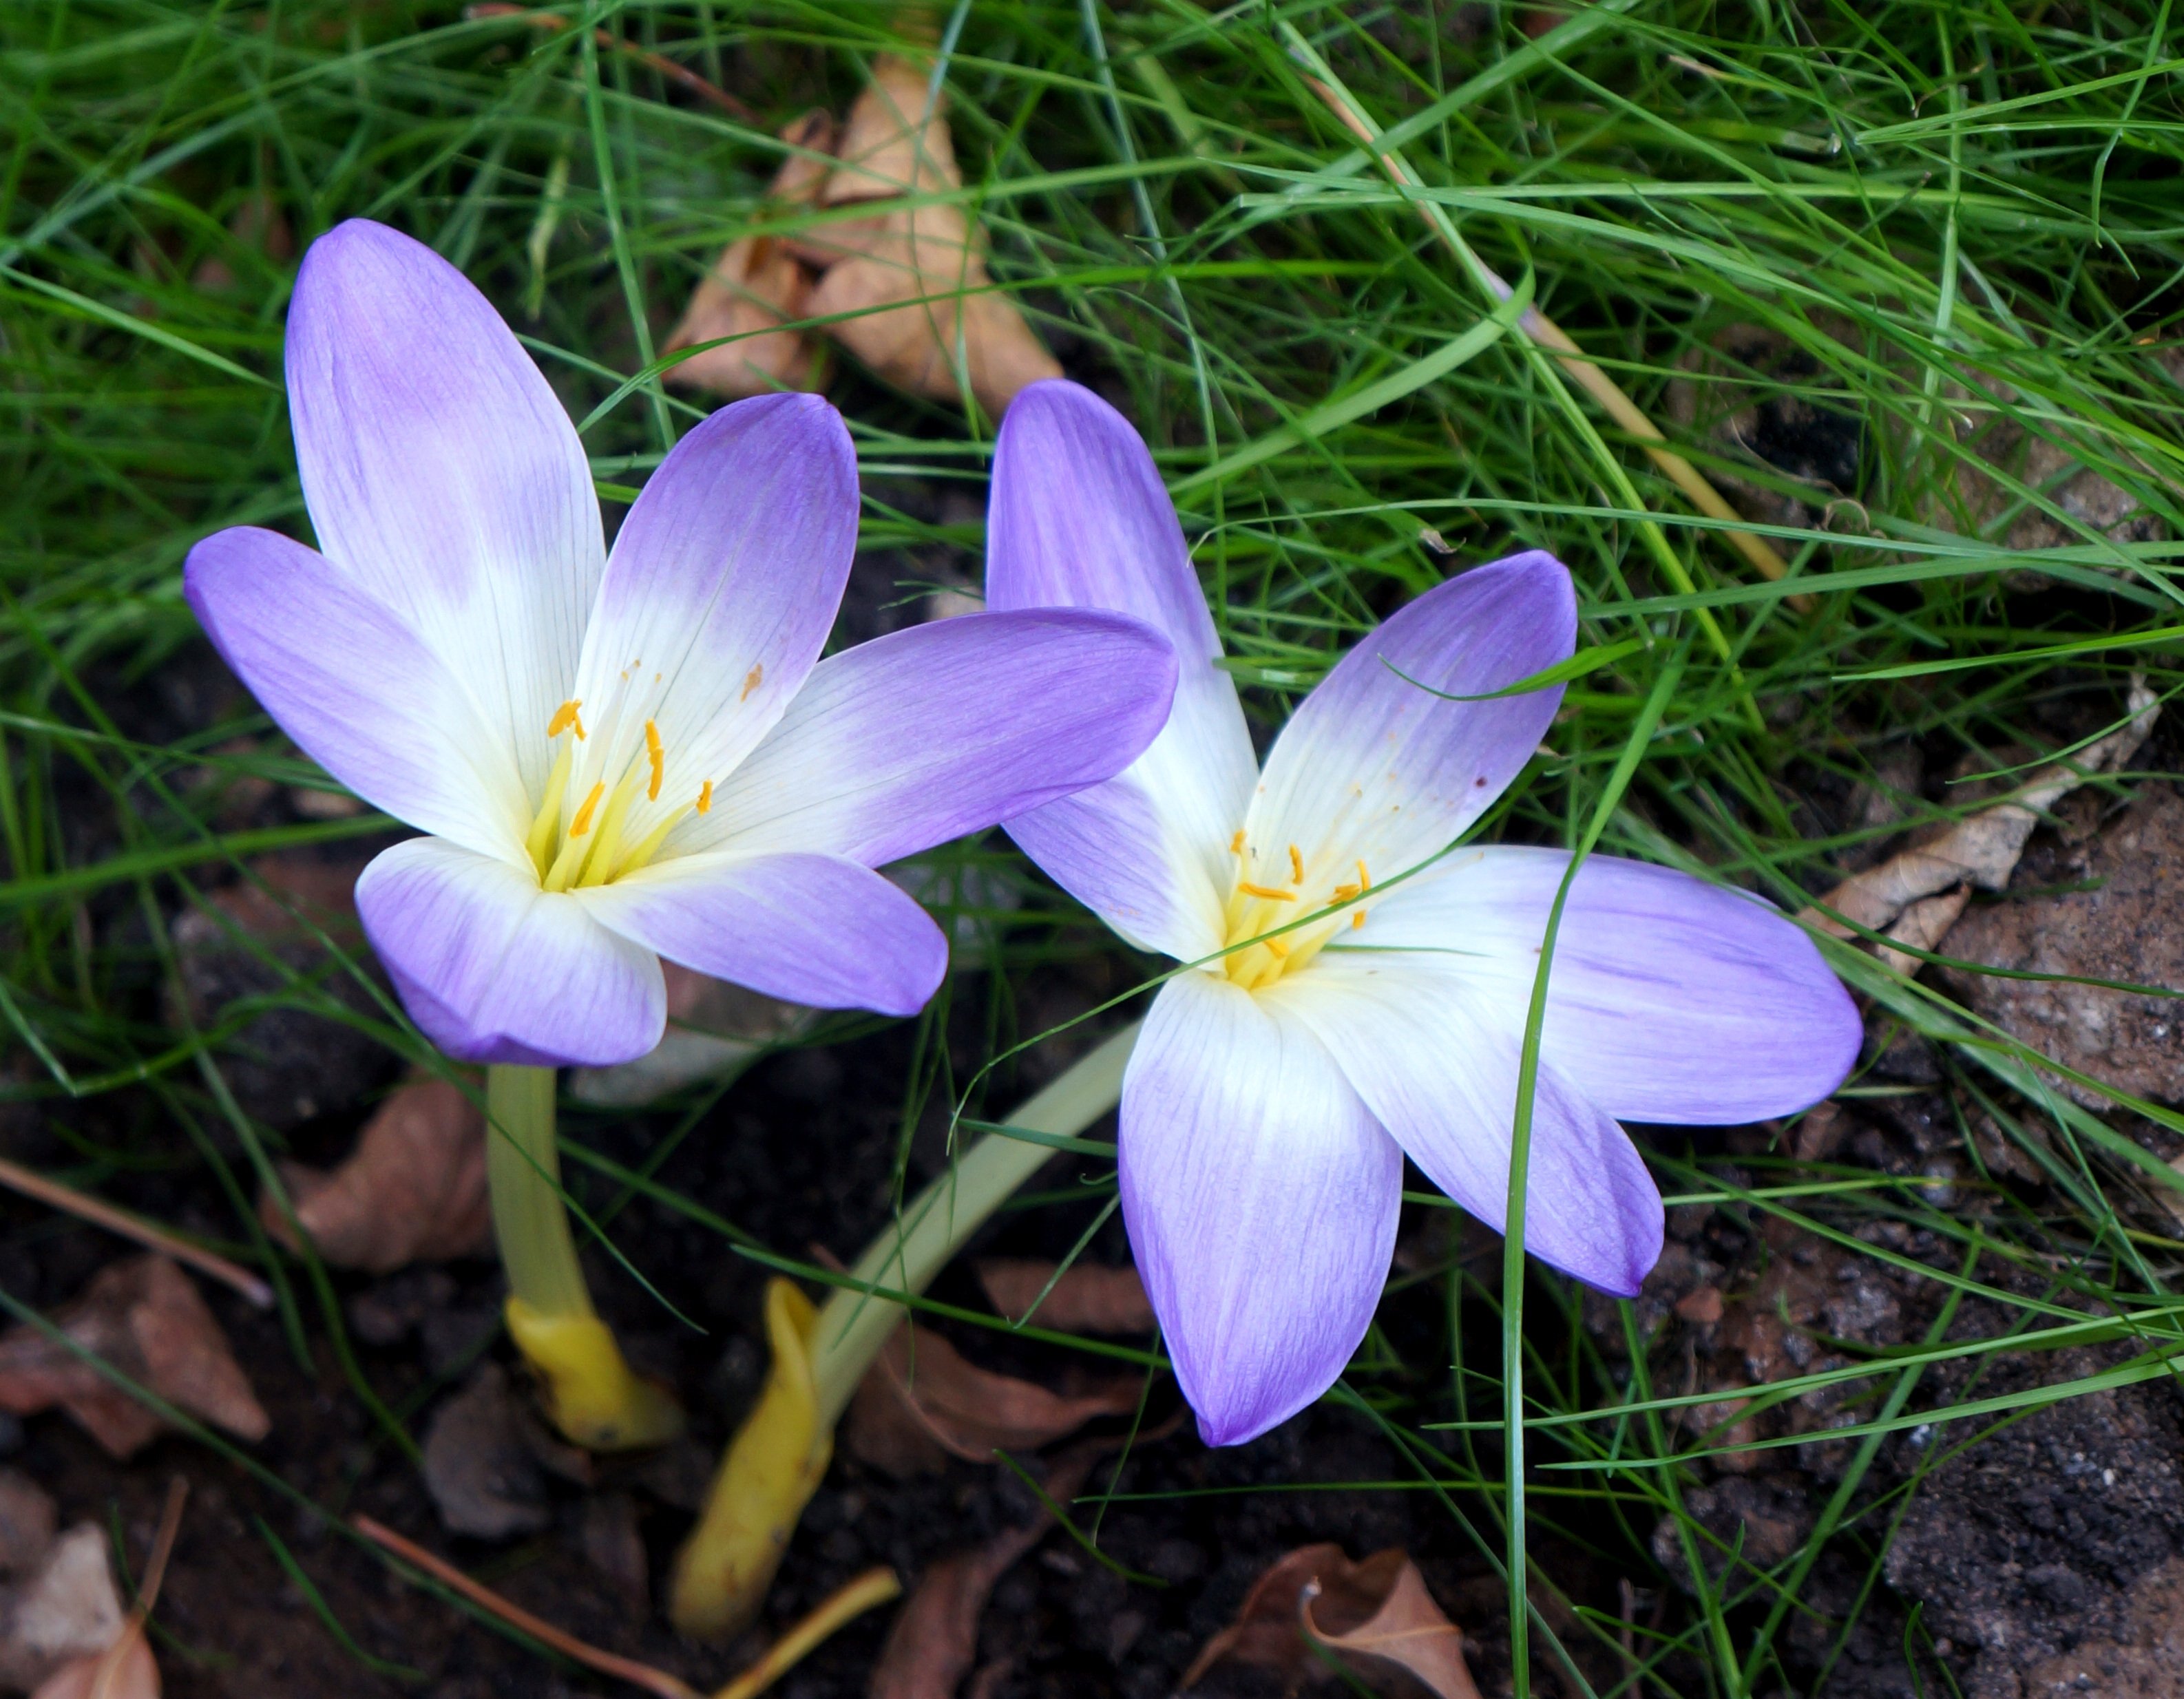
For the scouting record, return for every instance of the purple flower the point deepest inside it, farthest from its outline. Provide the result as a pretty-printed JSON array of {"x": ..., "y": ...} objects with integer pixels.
[
  {"x": 627, "y": 756},
  {"x": 1276, "y": 1089}
]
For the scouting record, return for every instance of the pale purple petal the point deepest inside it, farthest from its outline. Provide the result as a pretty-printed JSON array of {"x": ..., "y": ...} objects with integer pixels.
[
  {"x": 354, "y": 688},
  {"x": 442, "y": 477},
  {"x": 815, "y": 929},
  {"x": 1372, "y": 768},
  {"x": 723, "y": 584},
  {"x": 1079, "y": 518},
  {"x": 1261, "y": 1198},
  {"x": 1669, "y": 999},
  {"x": 494, "y": 970},
  {"x": 925, "y": 734},
  {"x": 1440, "y": 1072}
]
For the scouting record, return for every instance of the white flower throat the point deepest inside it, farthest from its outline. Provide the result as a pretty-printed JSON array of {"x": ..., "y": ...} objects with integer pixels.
[
  {"x": 1257, "y": 911},
  {"x": 581, "y": 834}
]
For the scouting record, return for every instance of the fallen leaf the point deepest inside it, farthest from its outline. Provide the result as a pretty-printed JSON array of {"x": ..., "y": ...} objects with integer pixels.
[
  {"x": 911, "y": 281},
  {"x": 933, "y": 1641},
  {"x": 1982, "y": 849},
  {"x": 28, "y": 1519},
  {"x": 922, "y": 1401},
  {"x": 68, "y": 1609},
  {"x": 758, "y": 285},
  {"x": 1406, "y": 1628},
  {"x": 486, "y": 1458},
  {"x": 1373, "y": 1614},
  {"x": 714, "y": 1030},
  {"x": 145, "y": 1317},
  {"x": 1089, "y": 1297},
  {"x": 413, "y": 1190},
  {"x": 125, "y": 1669}
]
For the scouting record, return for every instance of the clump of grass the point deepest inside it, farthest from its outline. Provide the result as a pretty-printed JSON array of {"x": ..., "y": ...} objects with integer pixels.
[{"x": 1954, "y": 224}]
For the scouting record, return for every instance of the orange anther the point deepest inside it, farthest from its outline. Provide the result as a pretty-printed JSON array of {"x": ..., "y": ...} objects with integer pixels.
[
  {"x": 1357, "y": 920},
  {"x": 564, "y": 716},
  {"x": 1364, "y": 878},
  {"x": 752, "y": 681},
  {"x": 1236, "y": 844},
  {"x": 1297, "y": 866},
  {"x": 705, "y": 798},
  {"x": 1266, "y": 891},
  {"x": 583, "y": 822},
  {"x": 1276, "y": 945}
]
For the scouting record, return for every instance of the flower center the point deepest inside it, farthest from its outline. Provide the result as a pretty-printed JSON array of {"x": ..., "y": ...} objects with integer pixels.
[
  {"x": 1265, "y": 940},
  {"x": 594, "y": 845}
]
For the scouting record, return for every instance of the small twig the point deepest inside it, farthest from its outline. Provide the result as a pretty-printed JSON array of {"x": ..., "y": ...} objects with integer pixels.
[
  {"x": 163, "y": 1547},
  {"x": 1590, "y": 377},
  {"x": 682, "y": 75},
  {"x": 591, "y": 1657},
  {"x": 874, "y": 1587},
  {"x": 148, "y": 1234}
]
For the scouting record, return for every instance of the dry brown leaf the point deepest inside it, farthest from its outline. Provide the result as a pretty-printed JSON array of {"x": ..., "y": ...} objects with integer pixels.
[
  {"x": 413, "y": 1190},
  {"x": 125, "y": 1669},
  {"x": 758, "y": 285},
  {"x": 1372, "y": 1613},
  {"x": 1406, "y": 1628},
  {"x": 28, "y": 1520},
  {"x": 934, "y": 1640},
  {"x": 913, "y": 278},
  {"x": 1089, "y": 1297},
  {"x": 68, "y": 1609},
  {"x": 145, "y": 1317},
  {"x": 922, "y": 1401},
  {"x": 1982, "y": 849}
]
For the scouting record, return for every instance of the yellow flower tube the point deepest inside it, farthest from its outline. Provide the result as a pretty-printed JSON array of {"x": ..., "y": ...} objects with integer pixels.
[{"x": 775, "y": 1462}]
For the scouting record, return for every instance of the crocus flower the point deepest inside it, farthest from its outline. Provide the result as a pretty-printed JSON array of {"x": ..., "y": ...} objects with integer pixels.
[
  {"x": 621, "y": 757},
  {"x": 1277, "y": 1086}
]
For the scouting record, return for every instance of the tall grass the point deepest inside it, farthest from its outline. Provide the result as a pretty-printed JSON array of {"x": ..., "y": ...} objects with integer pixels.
[{"x": 1958, "y": 226}]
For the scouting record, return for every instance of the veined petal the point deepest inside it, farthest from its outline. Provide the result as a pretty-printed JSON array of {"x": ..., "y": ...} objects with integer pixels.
[
  {"x": 1440, "y": 1072},
  {"x": 723, "y": 584},
  {"x": 1079, "y": 518},
  {"x": 1669, "y": 999},
  {"x": 357, "y": 689},
  {"x": 816, "y": 929},
  {"x": 927, "y": 733},
  {"x": 443, "y": 477},
  {"x": 494, "y": 970},
  {"x": 1261, "y": 1198},
  {"x": 1372, "y": 768}
]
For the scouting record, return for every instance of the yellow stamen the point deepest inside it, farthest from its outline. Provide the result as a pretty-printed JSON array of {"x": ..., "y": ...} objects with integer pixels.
[
  {"x": 599, "y": 865},
  {"x": 1344, "y": 892},
  {"x": 1297, "y": 866},
  {"x": 1356, "y": 920},
  {"x": 539, "y": 842},
  {"x": 1364, "y": 878},
  {"x": 657, "y": 756},
  {"x": 564, "y": 716},
  {"x": 1266, "y": 891},
  {"x": 1276, "y": 945},
  {"x": 752, "y": 680},
  {"x": 1236, "y": 844},
  {"x": 583, "y": 822}
]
